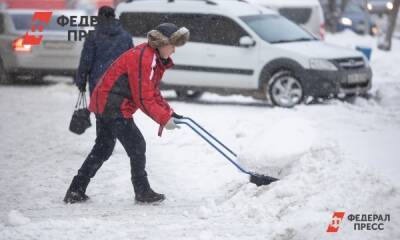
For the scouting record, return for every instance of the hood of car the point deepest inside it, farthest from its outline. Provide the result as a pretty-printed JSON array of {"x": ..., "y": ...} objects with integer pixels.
[
  {"x": 356, "y": 17},
  {"x": 318, "y": 49}
]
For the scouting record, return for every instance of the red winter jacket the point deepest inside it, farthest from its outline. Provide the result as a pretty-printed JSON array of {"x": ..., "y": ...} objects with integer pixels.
[{"x": 131, "y": 82}]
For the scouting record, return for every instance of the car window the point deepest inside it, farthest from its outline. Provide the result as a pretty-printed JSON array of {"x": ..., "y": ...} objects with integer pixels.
[
  {"x": 203, "y": 28},
  {"x": 223, "y": 30},
  {"x": 297, "y": 15},
  {"x": 2, "y": 27},
  {"x": 277, "y": 29},
  {"x": 140, "y": 23},
  {"x": 23, "y": 22}
]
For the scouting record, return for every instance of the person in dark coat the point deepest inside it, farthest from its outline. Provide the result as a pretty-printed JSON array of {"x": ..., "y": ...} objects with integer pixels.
[
  {"x": 101, "y": 47},
  {"x": 131, "y": 82}
]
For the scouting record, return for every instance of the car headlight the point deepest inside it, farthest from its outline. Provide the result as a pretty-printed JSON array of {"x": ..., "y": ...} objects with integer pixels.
[
  {"x": 322, "y": 64},
  {"x": 369, "y": 6},
  {"x": 389, "y": 5},
  {"x": 346, "y": 21}
]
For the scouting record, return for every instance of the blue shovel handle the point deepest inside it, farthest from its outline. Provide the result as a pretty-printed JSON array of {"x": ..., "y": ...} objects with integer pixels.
[
  {"x": 210, "y": 135},
  {"x": 192, "y": 122}
]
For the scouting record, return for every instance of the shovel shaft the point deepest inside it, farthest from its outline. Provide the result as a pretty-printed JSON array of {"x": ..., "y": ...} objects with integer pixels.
[
  {"x": 210, "y": 135},
  {"x": 192, "y": 124}
]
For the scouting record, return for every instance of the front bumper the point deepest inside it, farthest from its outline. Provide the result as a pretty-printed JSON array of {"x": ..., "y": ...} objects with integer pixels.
[
  {"x": 319, "y": 83},
  {"x": 379, "y": 9}
]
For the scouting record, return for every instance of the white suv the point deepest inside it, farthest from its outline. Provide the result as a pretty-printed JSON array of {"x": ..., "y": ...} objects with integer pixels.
[{"x": 237, "y": 47}]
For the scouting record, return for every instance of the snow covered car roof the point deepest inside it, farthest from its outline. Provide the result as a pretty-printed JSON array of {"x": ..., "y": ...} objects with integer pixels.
[
  {"x": 68, "y": 12},
  {"x": 224, "y": 7},
  {"x": 287, "y": 3}
]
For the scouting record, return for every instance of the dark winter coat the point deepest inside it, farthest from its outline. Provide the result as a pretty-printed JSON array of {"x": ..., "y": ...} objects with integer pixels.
[
  {"x": 102, "y": 47},
  {"x": 130, "y": 83}
]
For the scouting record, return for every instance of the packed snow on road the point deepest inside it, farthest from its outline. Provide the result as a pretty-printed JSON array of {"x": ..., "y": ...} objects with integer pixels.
[{"x": 332, "y": 156}]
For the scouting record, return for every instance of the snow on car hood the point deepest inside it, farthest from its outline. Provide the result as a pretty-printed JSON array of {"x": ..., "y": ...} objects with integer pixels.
[{"x": 319, "y": 49}]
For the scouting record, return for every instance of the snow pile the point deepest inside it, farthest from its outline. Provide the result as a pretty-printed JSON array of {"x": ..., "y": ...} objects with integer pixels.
[
  {"x": 388, "y": 95},
  {"x": 277, "y": 145},
  {"x": 16, "y": 218},
  {"x": 300, "y": 205}
]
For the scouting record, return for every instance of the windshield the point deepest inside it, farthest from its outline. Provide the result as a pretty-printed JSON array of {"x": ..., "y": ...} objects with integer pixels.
[
  {"x": 276, "y": 29},
  {"x": 23, "y": 22},
  {"x": 352, "y": 8}
]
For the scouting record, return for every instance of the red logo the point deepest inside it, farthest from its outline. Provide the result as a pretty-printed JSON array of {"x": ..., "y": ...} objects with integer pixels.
[
  {"x": 43, "y": 18},
  {"x": 336, "y": 220}
]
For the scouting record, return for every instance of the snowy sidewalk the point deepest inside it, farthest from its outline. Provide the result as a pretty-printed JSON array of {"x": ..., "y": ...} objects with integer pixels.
[{"x": 333, "y": 156}]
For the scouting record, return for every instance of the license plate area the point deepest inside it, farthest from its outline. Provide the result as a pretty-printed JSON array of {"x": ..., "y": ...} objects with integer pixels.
[{"x": 357, "y": 78}]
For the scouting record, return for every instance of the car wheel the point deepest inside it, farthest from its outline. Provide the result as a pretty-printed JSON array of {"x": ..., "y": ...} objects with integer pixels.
[
  {"x": 285, "y": 89},
  {"x": 4, "y": 76},
  {"x": 188, "y": 94}
]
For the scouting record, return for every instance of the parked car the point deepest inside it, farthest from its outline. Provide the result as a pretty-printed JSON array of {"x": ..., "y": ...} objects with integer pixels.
[
  {"x": 56, "y": 55},
  {"x": 355, "y": 18},
  {"x": 238, "y": 47},
  {"x": 306, "y": 13},
  {"x": 380, "y": 6}
]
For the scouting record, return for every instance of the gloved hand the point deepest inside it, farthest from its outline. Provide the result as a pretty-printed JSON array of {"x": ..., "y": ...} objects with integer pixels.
[
  {"x": 175, "y": 115},
  {"x": 171, "y": 125}
]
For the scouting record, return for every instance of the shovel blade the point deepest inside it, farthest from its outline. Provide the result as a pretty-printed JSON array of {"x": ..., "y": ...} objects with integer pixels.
[{"x": 261, "y": 180}]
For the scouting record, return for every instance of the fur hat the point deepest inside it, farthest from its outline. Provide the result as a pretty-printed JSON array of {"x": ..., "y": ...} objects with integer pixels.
[{"x": 168, "y": 33}]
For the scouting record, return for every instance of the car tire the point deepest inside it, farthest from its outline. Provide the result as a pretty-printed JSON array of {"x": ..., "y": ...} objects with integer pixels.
[
  {"x": 285, "y": 89},
  {"x": 188, "y": 94}
]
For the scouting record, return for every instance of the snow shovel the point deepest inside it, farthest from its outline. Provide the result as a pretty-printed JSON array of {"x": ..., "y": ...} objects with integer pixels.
[{"x": 255, "y": 178}]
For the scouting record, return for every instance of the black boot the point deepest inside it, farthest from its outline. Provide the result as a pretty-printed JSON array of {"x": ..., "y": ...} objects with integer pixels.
[
  {"x": 149, "y": 196},
  {"x": 77, "y": 189},
  {"x": 144, "y": 193}
]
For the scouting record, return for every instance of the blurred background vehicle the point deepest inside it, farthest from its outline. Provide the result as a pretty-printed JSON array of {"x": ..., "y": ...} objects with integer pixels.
[
  {"x": 306, "y": 13},
  {"x": 379, "y": 7},
  {"x": 54, "y": 56},
  {"x": 236, "y": 47},
  {"x": 348, "y": 14},
  {"x": 355, "y": 18}
]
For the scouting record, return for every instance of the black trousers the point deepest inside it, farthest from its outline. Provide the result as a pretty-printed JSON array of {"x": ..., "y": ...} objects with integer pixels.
[{"x": 108, "y": 130}]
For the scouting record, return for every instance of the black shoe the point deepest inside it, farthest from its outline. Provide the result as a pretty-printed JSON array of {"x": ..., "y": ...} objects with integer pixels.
[
  {"x": 143, "y": 191},
  {"x": 149, "y": 197},
  {"x": 74, "y": 197},
  {"x": 77, "y": 189}
]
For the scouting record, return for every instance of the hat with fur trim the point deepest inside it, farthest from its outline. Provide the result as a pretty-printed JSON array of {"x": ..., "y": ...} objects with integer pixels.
[{"x": 168, "y": 33}]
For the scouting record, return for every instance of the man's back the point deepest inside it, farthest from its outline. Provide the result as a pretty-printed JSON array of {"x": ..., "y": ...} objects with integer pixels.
[{"x": 102, "y": 47}]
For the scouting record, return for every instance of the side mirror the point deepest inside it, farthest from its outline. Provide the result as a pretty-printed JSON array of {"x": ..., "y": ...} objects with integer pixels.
[{"x": 247, "y": 41}]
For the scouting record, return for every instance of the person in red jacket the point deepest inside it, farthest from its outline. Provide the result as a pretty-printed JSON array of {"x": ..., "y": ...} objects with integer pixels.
[{"x": 130, "y": 83}]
